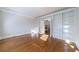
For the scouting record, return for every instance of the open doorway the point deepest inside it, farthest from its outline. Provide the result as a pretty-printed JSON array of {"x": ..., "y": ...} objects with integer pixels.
[{"x": 47, "y": 27}]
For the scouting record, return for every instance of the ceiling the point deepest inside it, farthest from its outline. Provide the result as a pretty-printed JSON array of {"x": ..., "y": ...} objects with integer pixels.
[{"x": 31, "y": 12}]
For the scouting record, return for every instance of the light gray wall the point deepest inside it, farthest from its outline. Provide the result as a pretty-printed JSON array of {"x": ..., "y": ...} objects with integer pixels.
[
  {"x": 1, "y": 24},
  {"x": 77, "y": 26},
  {"x": 13, "y": 25}
]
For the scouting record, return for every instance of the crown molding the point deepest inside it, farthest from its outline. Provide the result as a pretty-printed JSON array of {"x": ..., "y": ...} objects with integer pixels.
[{"x": 3, "y": 9}]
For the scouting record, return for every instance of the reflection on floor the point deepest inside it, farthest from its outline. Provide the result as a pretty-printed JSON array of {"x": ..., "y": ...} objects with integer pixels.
[{"x": 35, "y": 44}]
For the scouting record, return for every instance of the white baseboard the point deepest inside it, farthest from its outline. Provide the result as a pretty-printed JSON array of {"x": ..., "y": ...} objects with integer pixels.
[{"x": 11, "y": 36}]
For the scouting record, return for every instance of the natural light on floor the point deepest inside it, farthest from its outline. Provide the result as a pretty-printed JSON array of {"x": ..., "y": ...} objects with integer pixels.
[{"x": 44, "y": 37}]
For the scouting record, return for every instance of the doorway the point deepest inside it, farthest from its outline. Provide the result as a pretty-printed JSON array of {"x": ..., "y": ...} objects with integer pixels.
[{"x": 47, "y": 27}]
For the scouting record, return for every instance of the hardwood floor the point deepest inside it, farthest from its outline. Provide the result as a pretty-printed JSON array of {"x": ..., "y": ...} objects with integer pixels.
[{"x": 34, "y": 44}]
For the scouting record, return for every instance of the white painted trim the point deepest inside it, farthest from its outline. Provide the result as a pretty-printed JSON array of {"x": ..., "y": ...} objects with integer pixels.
[
  {"x": 14, "y": 12},
  {"x": 12, "y": 36},
  {"x": 60, "y": 11}
]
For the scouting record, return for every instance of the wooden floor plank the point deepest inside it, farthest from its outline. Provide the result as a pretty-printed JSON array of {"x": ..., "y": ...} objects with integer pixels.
[{"x": 27, "y": 43}]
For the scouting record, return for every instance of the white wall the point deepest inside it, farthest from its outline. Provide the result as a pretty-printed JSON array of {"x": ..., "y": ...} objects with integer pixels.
[
  {"x": 77, "y": 26},
  {"x": 13, "y": 25},
  {"x": 1, "y": 27}
]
